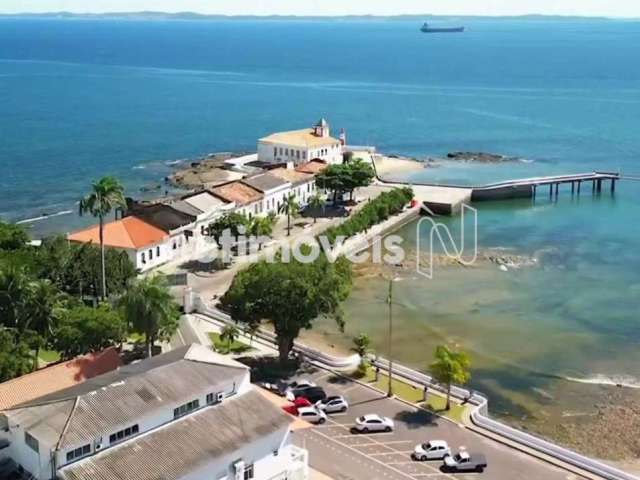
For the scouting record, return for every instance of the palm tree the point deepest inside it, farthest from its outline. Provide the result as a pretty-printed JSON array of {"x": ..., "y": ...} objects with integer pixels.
[
  {"x": 262, "y": 226},
  {"x": 361, "y": 345},
  {"x": 44, "y": 309},
  {"x": 229, "y": 334},
  {"x": 290, "y": 208},
  {"x": 14, "y": 298},
  {"x": 150, "y": 309},
  {"x": 105, "y": 195},
  {"x": 450, "y": 367},
  {"x": 315, "y": 203}
]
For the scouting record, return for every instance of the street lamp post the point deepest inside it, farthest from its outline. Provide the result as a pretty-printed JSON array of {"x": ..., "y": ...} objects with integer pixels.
[{"x": 390, "y": 335}]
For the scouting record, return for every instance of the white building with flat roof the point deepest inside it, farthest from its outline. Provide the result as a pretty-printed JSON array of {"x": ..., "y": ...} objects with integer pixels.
[
  {"x": 189, "y": 414},
  {"x": 300, "y": 146}
]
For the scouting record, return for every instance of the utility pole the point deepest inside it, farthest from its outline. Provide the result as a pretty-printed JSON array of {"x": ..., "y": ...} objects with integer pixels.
[{"x": 389, "y": 354}]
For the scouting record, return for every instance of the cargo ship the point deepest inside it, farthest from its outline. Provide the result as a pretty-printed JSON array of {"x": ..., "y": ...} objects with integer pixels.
[{"x": 428, "y": 29}]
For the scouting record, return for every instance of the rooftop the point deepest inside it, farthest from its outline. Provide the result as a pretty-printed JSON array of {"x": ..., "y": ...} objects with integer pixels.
[
  {"x": 237, "y": 192},
  {"x": 162, "y": 216},
  {"x": 76, "y": 415},
  {"x": 291, "y": 175},
  {"x": 57, "y": 377},
  {"x": 173, "y": 451},
  {"x": 265, "y": 182},
  {"x": 204, "y": 201},
  {"x": 304, "y": 138},
  {"x": 130, "y": 232},
  {"x": 312, "y": 166}
]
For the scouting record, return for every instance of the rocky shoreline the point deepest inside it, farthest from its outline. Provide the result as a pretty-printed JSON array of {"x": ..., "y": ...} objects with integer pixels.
[
  {"x": 480, "y": 157},
  {"x": 210, "y": 169}
]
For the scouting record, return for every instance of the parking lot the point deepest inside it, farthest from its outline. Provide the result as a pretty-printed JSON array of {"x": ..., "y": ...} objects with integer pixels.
[{"x": 337, "y": 452}]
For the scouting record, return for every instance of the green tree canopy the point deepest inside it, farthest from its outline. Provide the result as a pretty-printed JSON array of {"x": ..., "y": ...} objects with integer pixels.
[
  {"x": 345, "y": 177},
  {"x": 450, "y": 367},
  {"x": 12, "y": 236},
  {"x": 289, "y": 295},
  {"x": 76, "y": 269},
  {"x": 83, "y": 329},
  {"x": 229, "y": 221},
  {"x": 149, "y": 309},
  {"x": 15, "y": 356}
]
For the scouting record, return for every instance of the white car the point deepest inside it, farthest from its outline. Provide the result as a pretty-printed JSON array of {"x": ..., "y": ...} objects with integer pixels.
[
  {"x": 373, "y": 423},
  {"x": 312, "y": 415},
  {"x": 333, "y": 404},
  {"x": 433, "y": 450}
]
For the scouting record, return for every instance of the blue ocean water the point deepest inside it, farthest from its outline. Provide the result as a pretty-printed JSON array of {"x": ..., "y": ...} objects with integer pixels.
[{"x": 84, "y": 98}]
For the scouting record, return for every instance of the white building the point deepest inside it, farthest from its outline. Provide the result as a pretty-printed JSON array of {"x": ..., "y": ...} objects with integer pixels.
[
  {"x": 146, "y": 245},
  {"x": 300, "y": 146},
  {"x": 189, "y": 414},
  {"x": 274, "y": 191}
]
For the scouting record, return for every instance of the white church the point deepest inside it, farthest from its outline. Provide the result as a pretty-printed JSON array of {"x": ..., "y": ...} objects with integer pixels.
[{"x": 301, "y": 146}]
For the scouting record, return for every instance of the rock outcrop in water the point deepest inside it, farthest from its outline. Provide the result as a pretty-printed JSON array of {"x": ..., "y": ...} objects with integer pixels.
[{"x": 479, "y": 157}]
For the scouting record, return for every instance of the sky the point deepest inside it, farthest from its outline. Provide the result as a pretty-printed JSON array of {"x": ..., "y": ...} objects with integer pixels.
[{"x": 609, "y": 8}]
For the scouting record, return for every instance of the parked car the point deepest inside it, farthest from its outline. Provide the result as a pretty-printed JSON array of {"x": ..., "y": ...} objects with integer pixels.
[
  {"x": 312, "y": 415},
  {"x": 333, "y": 404},
  {"x": 285, "y": 387},
  {"x": 373, "y": 423},
  {"x": 297, "y": 403},
  {"x": 313, "y": 394},
  {"x": 464, "y": 461},
  {"x": 432, "y": 450}
]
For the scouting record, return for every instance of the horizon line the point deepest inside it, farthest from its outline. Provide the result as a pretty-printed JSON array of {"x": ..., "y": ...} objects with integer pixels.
[{"x": 308, "y": 16}]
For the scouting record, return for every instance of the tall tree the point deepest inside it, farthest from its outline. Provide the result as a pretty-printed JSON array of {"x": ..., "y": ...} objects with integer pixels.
[
  {"x": 229, "y": 221},
  {"x": 150, "y": 309},
  {"x": 15, "y": 356},
  {"x": 290, "y": 208},
  {"x": 289, "y": 295},
  {"x": 44, "y": 308},
  {"x": 450, "y": 367},
  {"x": 316, "y": 203},
  {"x": 106, "y": 194},
  {"x": 15, "y": 295}
]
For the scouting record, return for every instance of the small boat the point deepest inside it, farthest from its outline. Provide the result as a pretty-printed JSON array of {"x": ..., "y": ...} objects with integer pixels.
[{"x": 428, "y": 29}]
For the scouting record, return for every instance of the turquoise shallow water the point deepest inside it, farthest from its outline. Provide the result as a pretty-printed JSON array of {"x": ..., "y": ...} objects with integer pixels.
[{"x": 79, "y": 99}]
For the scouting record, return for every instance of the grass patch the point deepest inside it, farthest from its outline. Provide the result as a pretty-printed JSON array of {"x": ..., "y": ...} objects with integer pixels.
[
  {"x": 49, "y": 356},
  {"x": 435, "y": 403},
  {"x": 225, "y": 348}
]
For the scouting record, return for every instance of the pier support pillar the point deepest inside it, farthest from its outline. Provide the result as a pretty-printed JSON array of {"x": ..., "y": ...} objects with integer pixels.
[
  {"x": 557, "y": 189},
  {"x": 550, "y": 190},
  {"x": 613, "y": 185},
  {"x": 599, "y": 185},
  {"x": 573, "y": 187},
  {"x": 579, "y": 185},
  {"x": 593, "y": 187},
  {"x": 533, "y": 192}
]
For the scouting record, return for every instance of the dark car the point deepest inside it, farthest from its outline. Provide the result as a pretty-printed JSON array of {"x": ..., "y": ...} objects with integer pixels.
[{"x": 313, "y": 394}]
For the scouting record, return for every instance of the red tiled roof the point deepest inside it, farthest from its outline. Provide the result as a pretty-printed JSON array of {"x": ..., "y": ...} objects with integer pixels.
[
  {"x": 237, "y": 192},
  {"x": 312, "y": 166},
  {"x": 57, "y": 377},
  {"x": 130, "y": 232}
]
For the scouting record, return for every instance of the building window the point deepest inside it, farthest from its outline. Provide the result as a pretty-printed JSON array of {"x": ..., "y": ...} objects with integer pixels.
[
  {"x": 78, "y": 453},
  {"x": 174, "y": 245},
  {"x": 248, "y": 472},
  {"x": 150, "y": 254},
  {"x": 304, "y": 155},
  {"x": 157, "y": 251},
  {"x": 123, "y": 434},
  {"x": 142, "y": 258},
  {"x": 32, "y": 442},
  {"x": 275, "y": 151},
  {"x": 186, "y": 408}
]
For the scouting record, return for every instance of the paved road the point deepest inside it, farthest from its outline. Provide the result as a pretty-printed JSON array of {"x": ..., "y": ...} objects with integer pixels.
[{"x": 342, "y": 455}]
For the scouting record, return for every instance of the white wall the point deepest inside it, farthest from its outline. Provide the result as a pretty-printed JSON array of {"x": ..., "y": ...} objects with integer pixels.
[
  {"x": 151, "y": 256},
  {"x": 38, "y": 464}
]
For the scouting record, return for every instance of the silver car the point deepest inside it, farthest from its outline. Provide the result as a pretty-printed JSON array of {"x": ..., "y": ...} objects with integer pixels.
[{"x": 333, "y": 404}]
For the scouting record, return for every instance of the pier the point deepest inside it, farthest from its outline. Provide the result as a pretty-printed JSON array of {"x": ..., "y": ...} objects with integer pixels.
[
  {"x": 529, "y": 187},
  {"x": 448, "y": 199}
]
